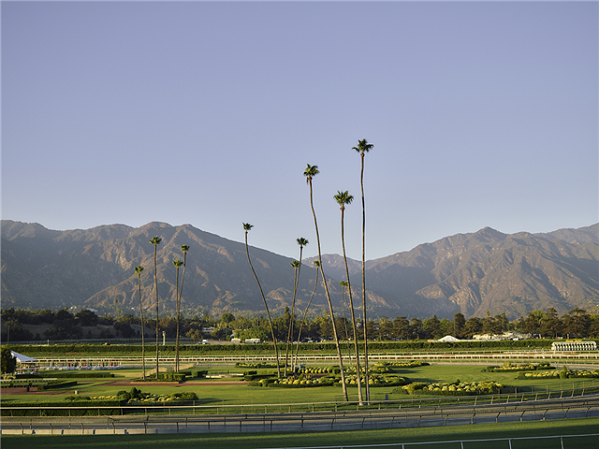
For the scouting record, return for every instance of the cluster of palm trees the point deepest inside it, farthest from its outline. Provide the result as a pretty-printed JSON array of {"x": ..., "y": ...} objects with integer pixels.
[
  {"x": 343, "y": 198},
  {"x": 178, "y": 293}
]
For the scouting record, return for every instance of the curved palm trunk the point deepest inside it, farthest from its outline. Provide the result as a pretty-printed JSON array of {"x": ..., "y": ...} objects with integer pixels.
[
  {"x": 299, "y": 336},
  {"x": 290, "y": 327},
  {"x": 351, "y": 308},
  {"x": 326, "y": 289},
  {"x": 345, "y": 320},
  {"x": 156, "y": 289},
  {"x": 364, "y": 282},
  {"x": 141, "y": 317},
  {"x": 177, "y": 338},
  {"x": 299, "y": 270},
  {"x": 272, "y": 329}
]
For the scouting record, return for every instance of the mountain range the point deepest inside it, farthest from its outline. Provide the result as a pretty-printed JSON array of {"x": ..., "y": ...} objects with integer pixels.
[{"x": 475, "y": 274}]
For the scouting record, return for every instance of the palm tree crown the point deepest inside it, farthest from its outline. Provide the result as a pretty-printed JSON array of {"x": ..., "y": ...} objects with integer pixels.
[
  {"x": 343, "y": 198},
  {"x": 156, "y": 241},
  {"x": 247, "y": 227},
  {"x": 363, "y": 147},
  {"x": 310, "y": 172}
]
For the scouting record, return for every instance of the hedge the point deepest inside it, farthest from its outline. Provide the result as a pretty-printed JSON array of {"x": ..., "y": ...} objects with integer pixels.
[
  {"x": 97, "y": 349},
  {"x": 78, "y": 375}
]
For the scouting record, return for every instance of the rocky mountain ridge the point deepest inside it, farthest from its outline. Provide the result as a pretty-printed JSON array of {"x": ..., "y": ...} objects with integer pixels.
[{"x": 476, "y": 273}]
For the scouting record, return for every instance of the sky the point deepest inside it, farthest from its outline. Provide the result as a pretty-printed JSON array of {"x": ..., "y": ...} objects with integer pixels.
[{"x": 207, "y": 113}]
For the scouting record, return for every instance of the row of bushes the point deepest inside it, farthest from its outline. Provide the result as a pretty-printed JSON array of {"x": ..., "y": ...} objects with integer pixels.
[
  {"x": 451, "y": 389},
  {"x": 266, "y": 347},
  {"x": 53, "y": 385},
  {"x": 65, "y": 375},
  {"x": 564, "y": 373},
  {"x": 518, "y": 367}
]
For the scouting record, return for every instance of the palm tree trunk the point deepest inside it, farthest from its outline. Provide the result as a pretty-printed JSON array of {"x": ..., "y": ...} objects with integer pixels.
[
  {"x": 364, "y": 282},
  {"x": 326, "y": 289},
  {"x": 156, "y": 290},
  {"x": 351, "y": 308},
  {"x": 177, "y": 338},
  {"x": 290, "y": 327},
  {"x": 345, "y": 321},
  {"x": 141, "y": 317},
  {"x": 299, "y": 336},
  {"x": 179, "y": 305},
  {"x": 272, "y": 329}
]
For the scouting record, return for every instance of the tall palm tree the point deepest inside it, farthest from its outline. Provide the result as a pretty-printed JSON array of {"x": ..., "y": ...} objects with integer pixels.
[
  {"x": 309, "y": 173},
  {"x": 299, "y": 336},
  {"x": 295, "y": 264},
  {"x": 247, "y": 227},
  {"x": 138, "y": 271},
  {"x": 178, "y": 264},
  {"x": 156, "y": 241},
  {"x": 184, "y": 248},
  {"x": 364, "y": 147},
  {"x": 342, "y": 199}
]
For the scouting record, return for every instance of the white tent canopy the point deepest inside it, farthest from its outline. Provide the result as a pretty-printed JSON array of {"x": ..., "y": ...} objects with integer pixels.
[
  {"x": 23, "y": 358},
  {"x": 449, "y": 338}
]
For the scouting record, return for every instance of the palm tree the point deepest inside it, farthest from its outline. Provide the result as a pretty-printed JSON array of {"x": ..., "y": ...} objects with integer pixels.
[
  {"x": 247, "y": 227},
  {"x": 138, "y": 271},
  {"x": 295, "y": 264},
  {"x": 363, "y": 148},
  {"x": 342, "y": 199},
  {"x": 177, "y": 263},
  {"x": 184, "y": 248},
  {"x": 309, "y": 173},
  {"x": 299, "y": 335},
  {"x": 156, "y": 241}
]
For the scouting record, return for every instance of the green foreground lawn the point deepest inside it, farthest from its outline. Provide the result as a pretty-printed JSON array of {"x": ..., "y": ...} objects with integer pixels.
[
  {"x": 347, "y": 439},
  {"x": 209, "y": 393}
]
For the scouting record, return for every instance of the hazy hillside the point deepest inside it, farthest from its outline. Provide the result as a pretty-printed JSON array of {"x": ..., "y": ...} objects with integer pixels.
[
  {"x": 476, "y": 273},
  {"x": 95, "y": 267}
]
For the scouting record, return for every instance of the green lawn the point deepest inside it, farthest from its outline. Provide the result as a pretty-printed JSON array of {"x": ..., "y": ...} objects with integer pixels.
[
  {"x": 336, "y": 439},
  {"x": 209, "y": 393}
]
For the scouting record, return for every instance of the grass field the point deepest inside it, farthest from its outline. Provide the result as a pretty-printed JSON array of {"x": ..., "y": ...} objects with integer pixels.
[
  {"x": 336, "y": 439},
  {"x": 210, "y": 393}
]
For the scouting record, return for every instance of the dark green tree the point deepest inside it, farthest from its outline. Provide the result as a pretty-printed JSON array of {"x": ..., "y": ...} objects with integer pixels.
[{"x": 9, "y": 361}]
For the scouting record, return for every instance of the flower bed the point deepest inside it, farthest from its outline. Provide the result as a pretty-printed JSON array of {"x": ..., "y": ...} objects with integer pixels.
[
  {"x": 451, "y": 389},
  {"x": 562, "y": 374},
  {"x": 518, "y": 367}
]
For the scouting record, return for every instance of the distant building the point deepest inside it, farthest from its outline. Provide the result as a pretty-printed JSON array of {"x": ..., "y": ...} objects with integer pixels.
[{"x": 574, "y": 346}]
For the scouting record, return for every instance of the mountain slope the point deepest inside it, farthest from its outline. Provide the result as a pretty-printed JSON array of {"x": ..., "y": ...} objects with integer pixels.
[
  {"x": 476, "y": 273},
  {"x": 95, "y": 268}
]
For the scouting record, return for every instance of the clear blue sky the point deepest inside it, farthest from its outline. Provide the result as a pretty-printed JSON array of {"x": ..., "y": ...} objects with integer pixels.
[{"x": 481, "y": 114}]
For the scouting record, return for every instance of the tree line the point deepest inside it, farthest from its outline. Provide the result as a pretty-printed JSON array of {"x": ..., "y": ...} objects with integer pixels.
[{"x": 65, "y": 325}]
